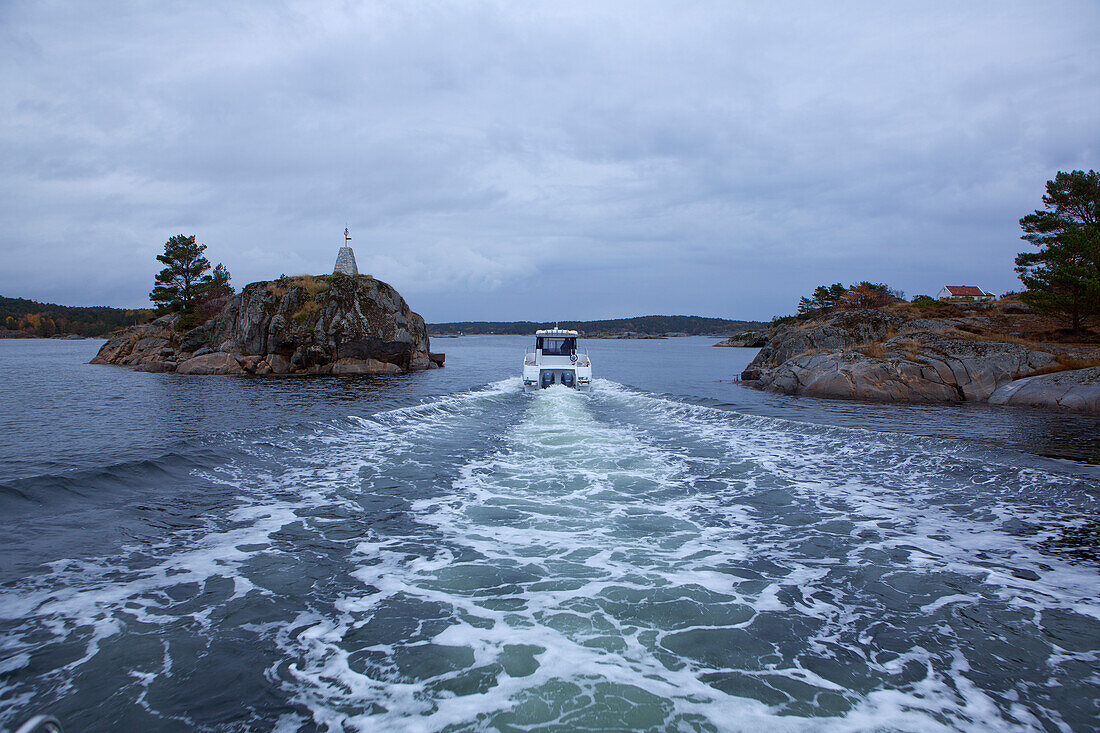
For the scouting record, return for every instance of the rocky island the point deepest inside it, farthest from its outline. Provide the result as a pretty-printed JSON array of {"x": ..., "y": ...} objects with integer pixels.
[
  {"x": 940, "y": 354},
  {"x": 329, "y": 324}
]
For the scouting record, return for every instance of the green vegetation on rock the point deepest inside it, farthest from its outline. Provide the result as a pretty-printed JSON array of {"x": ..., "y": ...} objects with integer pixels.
[{"x": 824, "y": 296}]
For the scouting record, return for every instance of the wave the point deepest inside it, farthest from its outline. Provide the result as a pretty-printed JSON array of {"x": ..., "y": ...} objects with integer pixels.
[
  {"x": 677, "y": 570},
  {"x": 48, "y": 490},
  {"x": 562, "y": 560},
  {"x": 51, "y": 490}
]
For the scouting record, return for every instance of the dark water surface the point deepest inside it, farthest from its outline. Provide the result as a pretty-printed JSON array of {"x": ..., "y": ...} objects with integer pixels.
[{"x": 441, "y": 551}]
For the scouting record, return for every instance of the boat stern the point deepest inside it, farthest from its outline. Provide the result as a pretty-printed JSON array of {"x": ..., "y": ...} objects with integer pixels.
[{"x": 543, "y": 377}]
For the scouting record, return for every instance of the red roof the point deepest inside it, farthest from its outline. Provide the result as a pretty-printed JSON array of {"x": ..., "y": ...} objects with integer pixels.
[{"x": 965, "y": 290}]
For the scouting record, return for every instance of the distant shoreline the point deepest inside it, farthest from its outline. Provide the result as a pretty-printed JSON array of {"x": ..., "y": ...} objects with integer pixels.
[
  {"x": 19, "y": 335},
  {"x": 614, "y": 336},
  {"x": 641, "y": 327}
]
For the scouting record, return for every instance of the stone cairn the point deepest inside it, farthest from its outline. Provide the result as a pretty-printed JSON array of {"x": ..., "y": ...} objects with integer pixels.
[{"x": 345, "y": 261}]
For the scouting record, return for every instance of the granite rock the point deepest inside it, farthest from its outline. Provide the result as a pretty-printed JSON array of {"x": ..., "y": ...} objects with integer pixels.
[
  {"x": 940, "y": 370},
  {"x": 1076, "y": 390},
  {"x": 211, "y": 364},
  {"x": 364, "y": 366},
  {"x": 139, "y": 345},
  {"x": 746, "y": 340},
  {"x": 876, "y": 355}
]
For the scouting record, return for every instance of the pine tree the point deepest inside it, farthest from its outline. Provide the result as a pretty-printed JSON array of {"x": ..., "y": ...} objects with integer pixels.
[
  {"x": 219, "y": 286},
  {"x": 824, "y": 296},
  {"x": 180, "y": 285},
  {"x": 1063, "y": 277}
]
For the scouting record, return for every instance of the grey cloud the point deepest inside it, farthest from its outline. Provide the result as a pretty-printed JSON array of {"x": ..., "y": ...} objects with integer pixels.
[{"x": 693, "y": 158}]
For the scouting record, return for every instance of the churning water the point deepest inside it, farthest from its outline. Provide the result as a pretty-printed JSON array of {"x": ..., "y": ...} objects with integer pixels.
[{"x": 445, "y": 552}]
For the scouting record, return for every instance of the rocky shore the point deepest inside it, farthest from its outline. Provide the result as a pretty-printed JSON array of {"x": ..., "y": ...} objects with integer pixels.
[
  {"x": 332, "y": 324},
  {"x": 899, "y": 356},
  {"x": 1077, "y": 390},
  {"x": 746, "y": 340}
]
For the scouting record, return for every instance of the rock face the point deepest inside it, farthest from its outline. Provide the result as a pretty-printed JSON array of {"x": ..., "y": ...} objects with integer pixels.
[
  {"x": 844, "y": 329},
  {"x": 877, "y": 355},
  {"x": 335, "y": 324},
  {"x": 1077, "y": 390},
  {"x": 746, "y": 339},
  {"x": 219, "y": 363},
  {"x": 147, "y": 347},
  {"x": 364, "y": 366},
  {"x": 947, "y": 371}
]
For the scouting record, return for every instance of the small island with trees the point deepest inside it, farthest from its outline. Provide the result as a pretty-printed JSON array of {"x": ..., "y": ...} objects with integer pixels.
[
  {"x": 325, "y": 324},
  {"x": 1037, "y": 348}
]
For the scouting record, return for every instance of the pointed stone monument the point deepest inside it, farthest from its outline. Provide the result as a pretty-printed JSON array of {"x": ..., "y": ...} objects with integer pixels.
[{"x": 345, "y": 261}]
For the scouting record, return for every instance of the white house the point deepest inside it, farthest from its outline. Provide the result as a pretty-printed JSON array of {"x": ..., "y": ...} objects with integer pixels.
[{"x": 965, "y": 294}]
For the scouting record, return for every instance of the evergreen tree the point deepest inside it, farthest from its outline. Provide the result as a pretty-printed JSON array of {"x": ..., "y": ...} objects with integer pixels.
[
  {"x": 1063, "y": 277},
  {"x": 824, "y": 296},
  {"x": 180, "y": 285},
  {"x": 219, "y": 286},
  {"x": 216, "y": 294}
]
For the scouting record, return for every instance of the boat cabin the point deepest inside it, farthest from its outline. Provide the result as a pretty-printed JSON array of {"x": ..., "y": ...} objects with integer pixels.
[{"x": 556, "y": 345}]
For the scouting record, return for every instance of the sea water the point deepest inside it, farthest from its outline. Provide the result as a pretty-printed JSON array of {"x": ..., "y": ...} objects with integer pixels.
[{"x": 442, "y": 551}]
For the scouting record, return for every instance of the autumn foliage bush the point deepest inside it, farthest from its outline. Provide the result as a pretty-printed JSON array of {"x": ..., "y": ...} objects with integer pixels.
[
  {"x": 868, "y": 295},
  {"x": 826, "y": 298}
]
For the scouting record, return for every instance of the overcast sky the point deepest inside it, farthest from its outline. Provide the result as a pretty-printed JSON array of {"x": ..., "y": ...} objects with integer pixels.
[{"x": 526, "y": 160}]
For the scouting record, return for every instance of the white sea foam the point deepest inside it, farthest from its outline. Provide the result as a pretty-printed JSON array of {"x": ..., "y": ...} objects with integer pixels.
[
  {"x": 82, "y": 603},
  {"x": 577, "y": 524},
  {"x": 611, "y": 560}
]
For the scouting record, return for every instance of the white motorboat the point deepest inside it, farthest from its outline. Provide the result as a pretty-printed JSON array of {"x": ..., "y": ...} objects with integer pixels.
[{"x": 555, "y": 360}]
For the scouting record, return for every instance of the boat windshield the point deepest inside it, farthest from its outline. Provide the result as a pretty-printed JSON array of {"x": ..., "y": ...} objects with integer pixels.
[{"x": 556, "y": 346}]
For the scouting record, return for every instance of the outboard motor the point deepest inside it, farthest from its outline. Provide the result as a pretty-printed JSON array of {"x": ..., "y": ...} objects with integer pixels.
[
  {"x": 567, "y": 378},
  {"x": 547, "y": 378}
]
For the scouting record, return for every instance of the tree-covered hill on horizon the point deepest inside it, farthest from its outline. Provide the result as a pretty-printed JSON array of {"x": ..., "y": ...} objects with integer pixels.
[
  {"x": 645, "y": 325},
  {"x": 48, "y": 319}
]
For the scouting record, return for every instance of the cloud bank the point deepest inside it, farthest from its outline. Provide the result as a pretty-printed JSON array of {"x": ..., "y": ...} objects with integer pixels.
[{"x": 539, "y": 160}]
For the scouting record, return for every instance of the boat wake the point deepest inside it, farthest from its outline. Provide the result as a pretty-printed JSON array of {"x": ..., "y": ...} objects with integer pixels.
[{"x": 561, "y": 560}]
